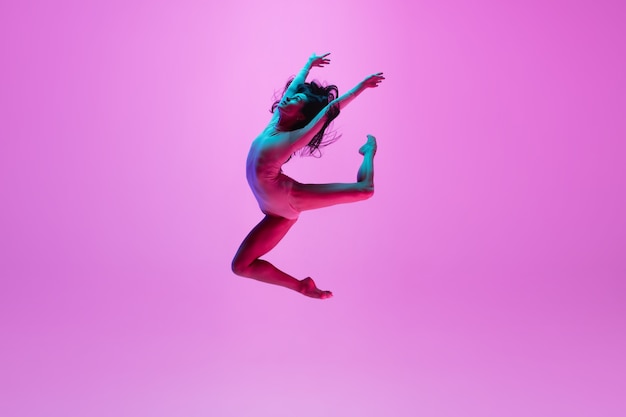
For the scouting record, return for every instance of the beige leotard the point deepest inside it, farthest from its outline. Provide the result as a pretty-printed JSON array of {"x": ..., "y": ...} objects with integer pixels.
[{"x": 270, "y": 186}]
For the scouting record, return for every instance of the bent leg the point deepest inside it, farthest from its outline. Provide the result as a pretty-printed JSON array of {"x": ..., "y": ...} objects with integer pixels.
[
  {"x": 314, "y": 196},
  {"x": 263, "y": 238}
]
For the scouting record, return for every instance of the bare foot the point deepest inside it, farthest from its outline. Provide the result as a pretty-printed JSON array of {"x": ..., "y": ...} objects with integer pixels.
[
  {"x": 370, "y": 146},
  {"x": 308, "y": 288}
]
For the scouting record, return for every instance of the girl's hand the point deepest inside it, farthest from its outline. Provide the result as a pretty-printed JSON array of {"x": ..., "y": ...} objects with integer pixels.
[
  {"x": 319, "y": 60},
  {"x": 373, "y": 80}
]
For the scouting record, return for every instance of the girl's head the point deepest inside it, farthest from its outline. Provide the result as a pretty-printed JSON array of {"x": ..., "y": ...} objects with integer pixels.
[{"x": 308, "y": 100}]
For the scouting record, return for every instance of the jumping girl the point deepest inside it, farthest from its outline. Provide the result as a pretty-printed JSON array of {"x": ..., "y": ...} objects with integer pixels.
[{"x": 299, "y": 122}]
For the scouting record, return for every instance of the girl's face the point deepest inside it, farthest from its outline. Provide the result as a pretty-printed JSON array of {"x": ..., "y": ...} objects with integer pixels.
[{"x": 292, "y": 106}]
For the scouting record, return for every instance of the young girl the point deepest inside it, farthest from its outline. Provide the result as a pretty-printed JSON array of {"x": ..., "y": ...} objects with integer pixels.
[{"x": 298, "y": 123}]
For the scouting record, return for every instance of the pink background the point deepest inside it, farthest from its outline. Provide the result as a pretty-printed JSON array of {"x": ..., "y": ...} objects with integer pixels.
[{"x": 485, "y": 277}]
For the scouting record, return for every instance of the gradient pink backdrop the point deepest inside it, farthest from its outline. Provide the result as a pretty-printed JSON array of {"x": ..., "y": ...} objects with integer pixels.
[{"x": 485, "y": 277}]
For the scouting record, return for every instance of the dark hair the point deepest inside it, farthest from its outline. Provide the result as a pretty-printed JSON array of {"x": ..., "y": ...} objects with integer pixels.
[{"x": 318, "y": 97}]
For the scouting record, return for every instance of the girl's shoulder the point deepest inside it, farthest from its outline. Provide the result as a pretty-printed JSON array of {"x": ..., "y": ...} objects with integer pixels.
[{"x": 273, "y": 144}]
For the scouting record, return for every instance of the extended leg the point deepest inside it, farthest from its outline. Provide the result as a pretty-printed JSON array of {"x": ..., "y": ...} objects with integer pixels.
[
  {"x": 314, "y": 196},
  {"x": 261, "y": 240}
]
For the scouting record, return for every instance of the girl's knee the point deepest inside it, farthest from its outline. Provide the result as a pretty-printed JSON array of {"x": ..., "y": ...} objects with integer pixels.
[
  {"x": 238, "y": 266},
  {"x": 366, "y": 191}
]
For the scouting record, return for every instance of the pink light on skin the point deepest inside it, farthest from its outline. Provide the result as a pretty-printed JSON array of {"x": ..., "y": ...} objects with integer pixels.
[
  {"x": 295, "y": 126},
  {"x": 484, "y": 277}
]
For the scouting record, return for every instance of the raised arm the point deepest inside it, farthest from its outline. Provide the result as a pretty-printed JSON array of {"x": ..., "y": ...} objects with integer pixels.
[
  {"x": 371, "y": 81},
  {"x": 314, "y": 61},
  {"x": 305, "y": 134}
]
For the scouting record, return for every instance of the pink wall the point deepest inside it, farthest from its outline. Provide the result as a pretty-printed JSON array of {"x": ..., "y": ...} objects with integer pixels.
[{"x": 485, "y": 277}]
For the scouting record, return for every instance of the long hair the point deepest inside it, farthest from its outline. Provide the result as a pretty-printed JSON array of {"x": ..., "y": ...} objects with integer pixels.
[{"x": 318, "y": 97}]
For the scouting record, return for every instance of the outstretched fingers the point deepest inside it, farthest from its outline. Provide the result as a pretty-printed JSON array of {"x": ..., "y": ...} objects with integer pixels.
[
  {"x": 373, "y": 80},
  {"x": 320, "y": 60}
]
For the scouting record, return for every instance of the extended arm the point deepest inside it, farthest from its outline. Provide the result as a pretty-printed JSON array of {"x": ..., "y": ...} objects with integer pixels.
[
  {"x": 306, "y": 133},
  {"x": 347, "y": 98},
  {"x": 314, "y": 61}
]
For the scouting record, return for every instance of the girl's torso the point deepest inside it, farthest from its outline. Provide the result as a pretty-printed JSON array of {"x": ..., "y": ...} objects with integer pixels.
[{"x": 268, "y": 152}]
